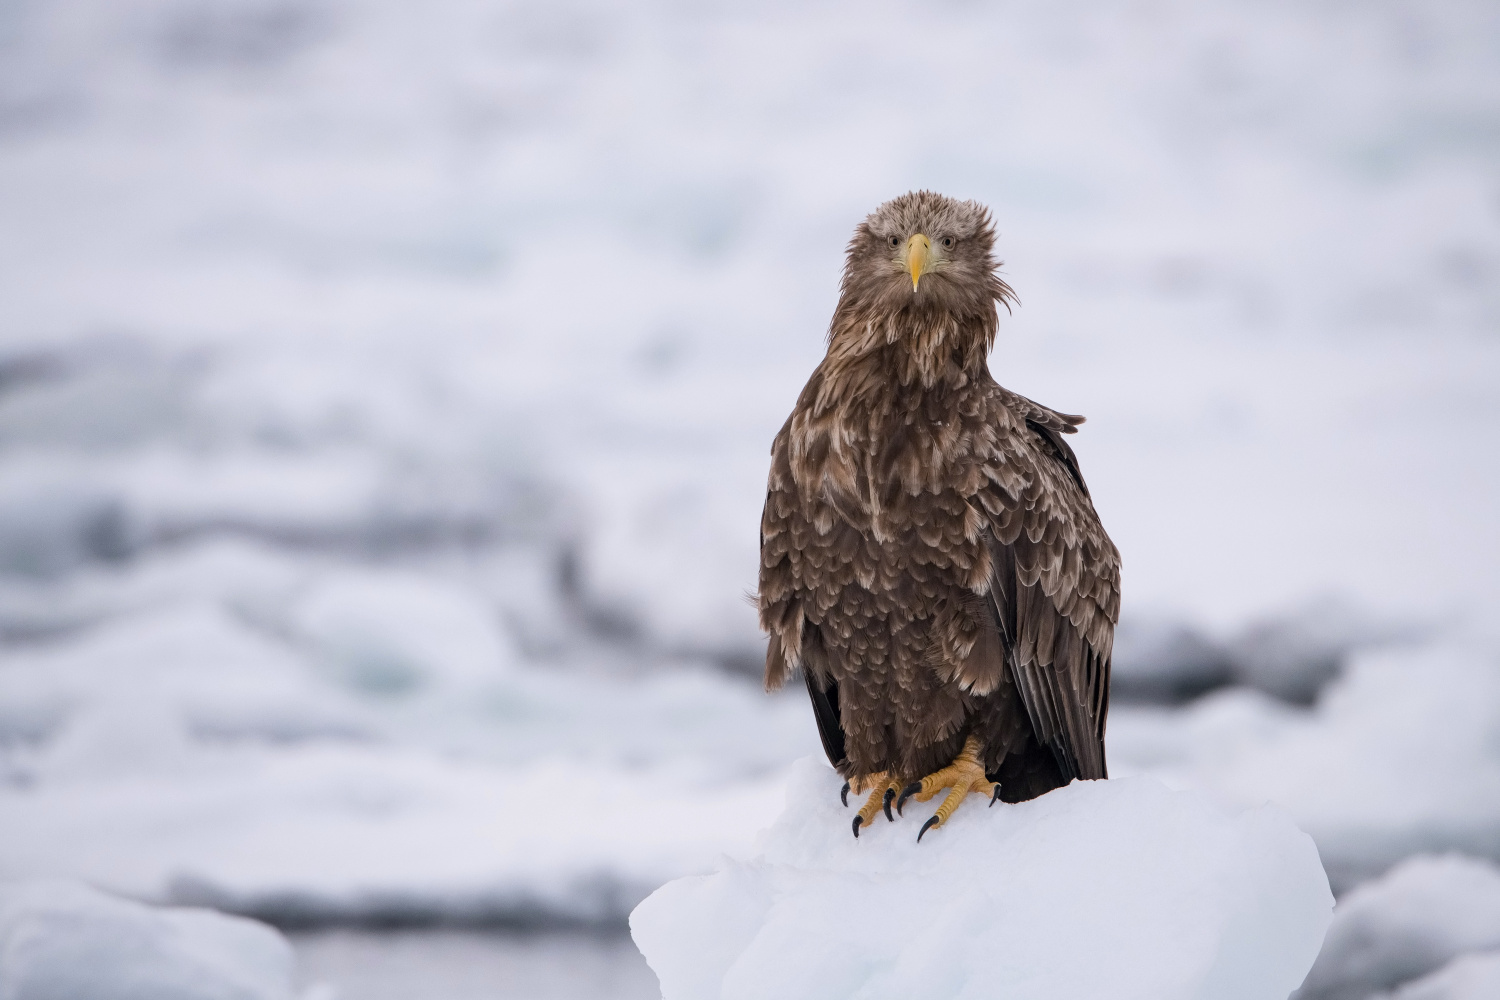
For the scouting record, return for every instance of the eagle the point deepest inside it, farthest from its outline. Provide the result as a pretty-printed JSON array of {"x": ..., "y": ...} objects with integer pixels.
[{"x": 931, "y": 560}]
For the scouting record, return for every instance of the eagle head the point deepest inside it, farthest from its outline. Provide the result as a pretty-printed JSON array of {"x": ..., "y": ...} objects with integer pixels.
[{"x": 924, "y": 252}]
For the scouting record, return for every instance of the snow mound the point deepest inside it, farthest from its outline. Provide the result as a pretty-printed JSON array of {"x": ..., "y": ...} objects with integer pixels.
[
  {"x": 1469, "y": 977},
  {"x": 63, "y": 940},
  {"x": 1422, "y": 914},
  {"x": 1101, "y": 890}
]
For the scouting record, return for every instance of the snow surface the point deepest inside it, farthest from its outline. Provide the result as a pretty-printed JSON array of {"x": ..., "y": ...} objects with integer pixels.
[
  {"x": 296, "y": 779},
  {"x": 1469, "y": 977},
  {"x": 385, "y": 393},
  {"x": 1121, "y": 889},
  {"x": 1291, "y": 655},
  {"x": 1398, "y": 755},
  {"x": 65, "y": 941},
  {"x": 316, "y": 271},
  {"x": 1415, "y": 920},
  {"x": 459, "y": 963}
]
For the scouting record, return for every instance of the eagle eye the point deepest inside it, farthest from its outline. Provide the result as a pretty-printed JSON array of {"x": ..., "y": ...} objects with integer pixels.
[
  {"x": 895, "y": 241},
  {"x": 947, "y": 242}
]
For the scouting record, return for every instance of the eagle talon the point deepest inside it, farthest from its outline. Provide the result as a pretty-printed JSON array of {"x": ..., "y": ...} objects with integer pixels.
[
  {"x": 844, "y": 795},
  {"x": 996, "y": 797},
  {"x": 881, "y": 786},
  {"x": 906, "y": 793},
  {"x": 890, "y": 793},
  {"x": 932, "y": 821},
  {"x": 961, "y": 778}
]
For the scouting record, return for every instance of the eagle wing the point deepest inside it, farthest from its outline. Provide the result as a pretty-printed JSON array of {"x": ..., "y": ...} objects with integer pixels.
[{"x": 1054, "y": 584}]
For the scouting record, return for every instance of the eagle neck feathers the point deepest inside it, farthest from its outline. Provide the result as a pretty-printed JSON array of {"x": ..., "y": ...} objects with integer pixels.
[{"x": 883, "y": 414}]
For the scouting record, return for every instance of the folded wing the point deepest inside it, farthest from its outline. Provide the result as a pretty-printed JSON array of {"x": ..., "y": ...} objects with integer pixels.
[{"x": 1054, "y": 585}]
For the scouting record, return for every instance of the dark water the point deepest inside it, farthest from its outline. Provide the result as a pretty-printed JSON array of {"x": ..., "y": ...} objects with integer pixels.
[{"x": 443, "y": 964}]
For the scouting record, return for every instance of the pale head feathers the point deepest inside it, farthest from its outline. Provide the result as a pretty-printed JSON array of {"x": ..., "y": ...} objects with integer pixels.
[{"x": 959, "y": 279}]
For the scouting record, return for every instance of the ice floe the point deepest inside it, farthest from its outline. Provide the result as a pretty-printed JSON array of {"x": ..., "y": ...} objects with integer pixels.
[{"x": 1120, "y": 889}]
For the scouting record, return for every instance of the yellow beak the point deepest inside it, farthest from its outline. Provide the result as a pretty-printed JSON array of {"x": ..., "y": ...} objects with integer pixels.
[{"x": 918, "y": 250}]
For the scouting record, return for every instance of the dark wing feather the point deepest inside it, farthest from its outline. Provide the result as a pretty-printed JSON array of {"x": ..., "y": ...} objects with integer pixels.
[
  {"x": 824, "y": 692},
  {"x": 825, "y": 702},
  {"x": 1054, "y": 585},
  {"x": 1062, "y": 450}
]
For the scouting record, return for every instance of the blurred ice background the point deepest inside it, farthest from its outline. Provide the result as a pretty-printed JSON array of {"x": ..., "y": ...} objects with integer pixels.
[{"x": 386, "y": 389}]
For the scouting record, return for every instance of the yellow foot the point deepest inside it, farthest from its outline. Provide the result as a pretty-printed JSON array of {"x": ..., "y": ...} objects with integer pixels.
[
  {"x": 883, "y": 788},
  {"x": 964, "y": 775}
]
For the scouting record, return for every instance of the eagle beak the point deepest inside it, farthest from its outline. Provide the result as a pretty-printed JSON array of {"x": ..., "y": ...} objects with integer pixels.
[{"x": 918, "y": 250}]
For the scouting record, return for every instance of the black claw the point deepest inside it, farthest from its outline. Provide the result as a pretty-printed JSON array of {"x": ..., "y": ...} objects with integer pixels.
[
  {"x": 890, "y": 793},
  {"x": 844, "y": 795},
  {"x": 932, "y": 822},
  {"x": 858, "y": 820},
  {"x": 996, "y": 797},
  {"x": 906, "y": 793}
]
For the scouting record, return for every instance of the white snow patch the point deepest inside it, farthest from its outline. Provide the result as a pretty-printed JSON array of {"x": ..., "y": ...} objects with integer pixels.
[
  {"x": 1397, "y": 757},
  {"x": 180, "y": 753},
  {"x": 63, "y": 940},
  {"x": 1168, "y": 896},
  {"x": 393, "y": 631},
  {"x": 1419, "y": 916},
  {"x": 351, "y": 833}
]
